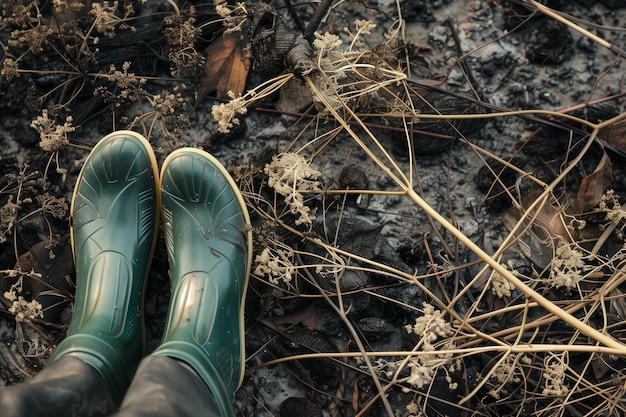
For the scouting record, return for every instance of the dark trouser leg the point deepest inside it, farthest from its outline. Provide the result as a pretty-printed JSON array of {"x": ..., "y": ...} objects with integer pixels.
[
  {"x": 166, "y": 387},
  {"x": 67, "y": 387}
]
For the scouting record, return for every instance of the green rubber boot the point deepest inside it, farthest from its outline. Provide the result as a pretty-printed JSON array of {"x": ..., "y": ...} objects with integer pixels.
[
  {"x": 115, "y": 215},
  {"x": 208, "y": 239}
]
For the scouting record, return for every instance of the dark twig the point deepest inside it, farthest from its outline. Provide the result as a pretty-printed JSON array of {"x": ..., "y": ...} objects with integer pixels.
[
  {"x": 466, "y": 69},
  {"x": 316, "y": 19}
]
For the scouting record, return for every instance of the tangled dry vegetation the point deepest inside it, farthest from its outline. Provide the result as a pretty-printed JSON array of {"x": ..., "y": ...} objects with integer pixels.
[{"x": 533, "y": 326}]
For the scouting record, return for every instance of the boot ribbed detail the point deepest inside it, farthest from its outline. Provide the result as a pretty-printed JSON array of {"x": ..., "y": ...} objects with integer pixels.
[
  {"x": 208, "y": 238},
  {"x": 114, "y": 212}
]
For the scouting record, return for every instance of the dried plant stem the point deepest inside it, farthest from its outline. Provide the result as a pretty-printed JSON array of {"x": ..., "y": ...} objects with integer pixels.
[
  {"x": 480, "y": 152},
  {"x": 513, "y": 331},
  {"x": 493, "y": 369},
  {"x": 488, "y": 116},
  {"x": 341, "y": 311},
  {"x": 320, "y": 11},
  {"x": 520, "y": 348},
  {"x": 174, "y": 6},
  {"x": 549, "y": 12},
  {"x": 508, "y": 275},
  {"x": 402, "y": 179},
  {"x": 533, "y": 208},
  {"x": 519, "y": 285}
]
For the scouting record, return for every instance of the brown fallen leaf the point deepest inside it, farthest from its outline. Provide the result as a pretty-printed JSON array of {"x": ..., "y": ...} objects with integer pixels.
[
  {"x": 226, "y": 68},
  {"x": 548, "y": 225},
  {"x": 355, "y": 399},
  {"x": 53, "y": 289},
  {"x": 593, "y": 186},
  {"x": 307, "y": 317},
  {"x": 617, "y": 303},
  {"x": 599, "y": 365},
  {"x": 615, "y": 135}
]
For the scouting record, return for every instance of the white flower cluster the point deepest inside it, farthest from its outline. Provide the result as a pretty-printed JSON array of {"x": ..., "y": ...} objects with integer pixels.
[
  {"x": 507, "y": 371},
  {"x": 24, "y": 311},
  {"x": 424, "y": 368},
  {"x": 351, "y": 75},
  {"x": 289, "y": 174},
  {"x": 363, "y": 27},
  {"x": 53, "y": 136},
  {"x": 233, "y": 16},
  {"x": 106, "y": 19},
  {"x": 326, "y": 42},
  {"x": 413, "y": 410},
  {"x": 332, "y": 62},
  {"x": 276, "y": 265},
  {"x": 554, "y": 376},
  {"x": 610, "y": 205},
  {"x": 226, "y": 114},
  {"x": 500, "y": 286},
  {"x": 380, "y": 365},
  {"x": 430, "y": 327},
  {"x": 568, "y": 265}
]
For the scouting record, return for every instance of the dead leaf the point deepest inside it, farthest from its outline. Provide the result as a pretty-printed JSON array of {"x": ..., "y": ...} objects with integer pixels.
[
  {"x": 354, "y": 234},
  {"x": 599, "y": 366},
  {"x": 307, "y": 317},
  {"x": 593, "y": 186},
  {"x": 54, "y": 264},
  {"x": 355, "y": 398},
  {"x": 226, "y": 68},
  {"x": 495, "y": 303},
  {"x": 615, "y": 135},
  {"x": 617, "y": 304},
  {"x": 548, "y": 226}
]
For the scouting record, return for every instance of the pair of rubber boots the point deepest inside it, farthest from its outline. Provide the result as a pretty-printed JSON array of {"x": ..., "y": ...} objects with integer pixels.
[{"x": 118, "y": 200}]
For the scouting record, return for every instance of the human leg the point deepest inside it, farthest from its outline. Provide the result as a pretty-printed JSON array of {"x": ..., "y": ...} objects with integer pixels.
[
  {"x": 208, "y": 238},
  {"x": 167, "y": 387},
  {"x": 114, "y": 212},
  {"x": 67, "y": 387}
]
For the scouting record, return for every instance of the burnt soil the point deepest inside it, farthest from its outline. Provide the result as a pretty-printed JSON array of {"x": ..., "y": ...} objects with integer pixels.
[{"x": 497, "y": 52}]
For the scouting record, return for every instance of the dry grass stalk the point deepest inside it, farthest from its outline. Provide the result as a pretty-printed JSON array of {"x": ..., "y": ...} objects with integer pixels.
[{"x": 517, "y": 355}]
